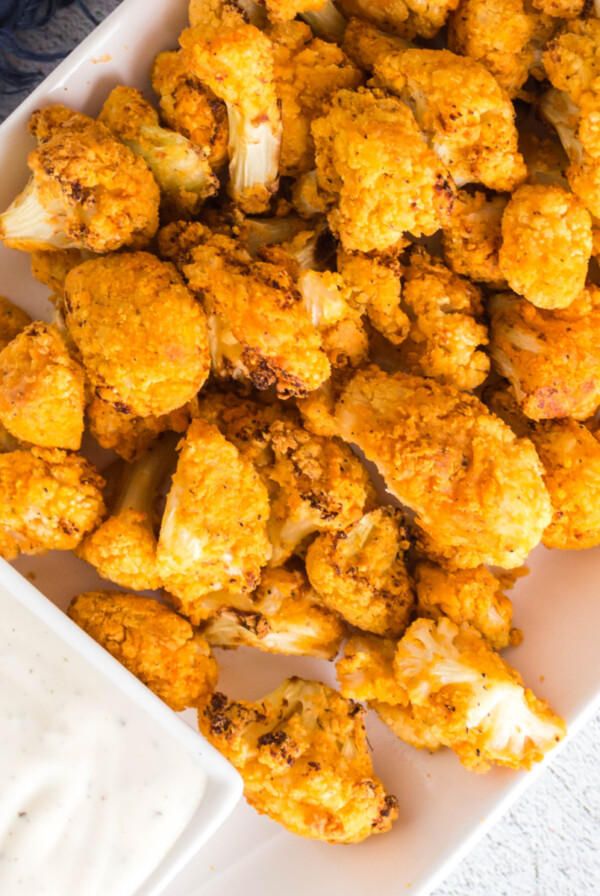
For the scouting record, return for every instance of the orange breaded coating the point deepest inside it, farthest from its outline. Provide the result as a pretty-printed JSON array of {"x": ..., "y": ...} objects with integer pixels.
[
  {"x": 564, "y": 9},
  {"x": 213, "y": 534},
  {"x": 49, "y": 499},
  {"x": 239, "y": 296},
  {"x": 284, "y": 615},
  {"x": 302, "y": 752},
  {"x": 404, "y": 17},
  {"x": 307, "y": 72},
  {"x": 474, "y": 595},
  {"x": 41, "y": 389},
  {"x": 466, "y": 117},
  {"x": 131, "y": 436},
  {"x": 51, "y": 268},
  {"x": 550, "y": 358},
  {"x": 154, "y": 643},
  {"x": 477, "y": 490},
  {"x": 365, "y": 671},
  {"x": 87, "y": 190},
  {"x": 546, "y": 244},
  {"x": 190, "y": 107},
  {"x": 287, "y": 10},
  {"x": 316, "y": 484},
  {"x": 470, "y": 699},
  {"x": 377, "y": 286},
  {"x": 235, "y": 60},
  {"x": 360, "y": 573},
  {"x": 472, "y": 238},
  {"x": 364, "y": 43},
  {"x": 507, "y": 36},
  {"x": 446, "y": 331},
  {"x": 141, "y": 334},
  {"x": 380, "y": 179},
  {"x": 13, "y": 321}
]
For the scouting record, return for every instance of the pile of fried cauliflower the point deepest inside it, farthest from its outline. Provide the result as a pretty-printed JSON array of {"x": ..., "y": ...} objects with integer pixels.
[{"x": 246, "y": 313}]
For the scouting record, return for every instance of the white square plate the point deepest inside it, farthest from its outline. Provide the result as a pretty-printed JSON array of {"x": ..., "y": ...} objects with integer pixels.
[{"x": 443, "y": 808}]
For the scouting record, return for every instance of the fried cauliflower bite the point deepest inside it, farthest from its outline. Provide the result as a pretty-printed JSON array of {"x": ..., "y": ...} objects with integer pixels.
[
  {"x": 377, "y": 174},
  {"x": 472, "y": 700},
  {"x": 546, "y": 244},
  {"x": 464, "y": 114},
  {"x": 475, "y": 596},
  {"x": 472, "y": 238},
  {"x": 154, "y": 643},
  {"x": 51, "y": 268},
  {"x": 49, "y": 499},
  {"x": 142, "y": 336},
  {"x": 477, "y": 490},
  {"x": 307, "y": 72},
  {"x": 284, "y": 615},
  {"x": 360, "y": 573},
  {"x": 13, "y": 321},
  {"x": 365, "y": 671},
  {"x": 507, "y": 36},
  {"x": 180, "y": 168},
  {"x": 42, "y": 394},
  {"x": 189, "y": 107},
  {"x": 565, "y": 9},
  {"x": 404, "y": 17},
  {"x": 446, "y": 331},
  {"x": 213, "y": 534},
  {"x": 240, "y": 297},
  {"x": 87, "y": 190},
  {"x": 302, "y": 752},
  {"x": 235, "y": 60},
  {"x": 550, "y": 358},
  {"x": 123, "y": 548},
  {"x": 364, "y": 43},
  {"x": 376, "y": 283},
  {"x": 316, "y": 484}
]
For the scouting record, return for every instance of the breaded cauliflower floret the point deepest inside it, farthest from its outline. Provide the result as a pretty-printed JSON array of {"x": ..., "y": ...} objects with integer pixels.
[
  {"x": 154, "y": 643},
  {"x": 316, "y": 484},
  {"x": 284, "y": 615},
  {"x": 51, "y": 268},
  {"x": 360, "y": 573},
  {"x": 180, "y": 168},
  {"x": 302, "y": 752},
  {"x": 49, "y": 499},
  {"x": 507, "y": 36},
  {"x": 475, "y": 596},
  {"x": 472, "y": 238},
  {"x": 546, "y": 244},
  {"x": 239, "y": 297},
  {"x": 87, "y": 190},
  {"x": 566, "y": 9},
  {"x": 364, "y": 43},
  {"x": 471, "y": 699},
  {"x": 123, "y": 548},
  {"x": 213, "y": 534},
  {"x": 466, "y": 117},
  {"x": 235, "y": 60},
  {"x": 477, "y": 490},
  {"x": 189, "y": 107},
  {"x": 287, "y": 10},
  {"x": 550, "y": 358},
  {"x": 380, "y": 179},
  {"x": 307, "y": 72},
  {"x": 148, "y": 354},
  {"x": 366, "y": 670},
  {"x": 404, "y": 17},
  {"x": 41, "y": 389},
  {"x": 13, "y": 321},
  {"x": 376, "y": 283},
  {"x": 446, "y": 331}
]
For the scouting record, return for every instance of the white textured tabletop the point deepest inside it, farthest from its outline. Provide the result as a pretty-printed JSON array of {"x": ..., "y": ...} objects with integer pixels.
[{"x": 548, "y": 844}]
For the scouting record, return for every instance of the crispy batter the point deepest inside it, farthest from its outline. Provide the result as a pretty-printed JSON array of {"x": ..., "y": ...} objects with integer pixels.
[
  {"x": 563, "y": 9},
  {"x": 551, "y": 358},
  {"x": 466, "y": 117},
  {"x": 378, "y": 175},
  {"x": 302, "y": 752},
  {"x": 546, "y": 244},
  {"x": 154, "y": 643},
  {"x": 41, "y": 389},
  {"x": 477, "y": 490},
  {"x": 360, "y": 573},
  {"x": 214, "y": 530},
  {"x": 366, "y": 670},
  {"x": 287, "y": 10},
  {"x": 190, "y": 107},
  {"x": 472, "y": 238},
  {"x": 51, "y": 268},
  {"x": 377, "y": 286},
  {"x": 284, "y": 615},
  {"x": 12, "y": 321},
  {"x": 149, "y": 354},
  {"x": 404, "y": 17},
  {"x": 364, "y": 43},
  {"x": 49, "y": 499},
  {"x": 446, "y": 330}
]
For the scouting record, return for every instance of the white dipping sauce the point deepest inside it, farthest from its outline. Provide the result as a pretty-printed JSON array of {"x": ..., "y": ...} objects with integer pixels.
[{"x": 93, "y": 793}]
